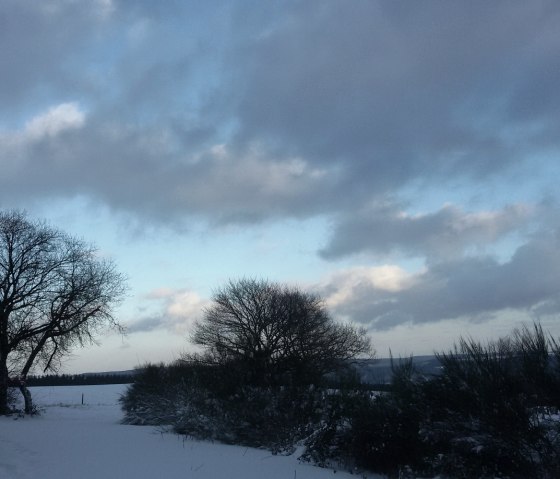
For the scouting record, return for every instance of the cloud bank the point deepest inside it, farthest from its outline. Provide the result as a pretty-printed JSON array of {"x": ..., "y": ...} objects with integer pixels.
[{"x": 251, "y": 113}]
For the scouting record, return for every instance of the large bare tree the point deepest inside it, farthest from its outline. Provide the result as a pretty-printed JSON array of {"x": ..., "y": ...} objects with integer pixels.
[
  {"x": 56, "y": 293},
  {"x": 275, "y": 334}
]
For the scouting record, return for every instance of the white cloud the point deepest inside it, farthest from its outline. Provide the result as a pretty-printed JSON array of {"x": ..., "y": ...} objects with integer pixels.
[
  {"x": 173, "y": 309},
  {"x": 184, "y": 307},
  {"x": 17, "y": 146},
  {"x": 472, "y": 288},
  {"x": 341, "y": 287},
  {"x": 57, "y": 119}
]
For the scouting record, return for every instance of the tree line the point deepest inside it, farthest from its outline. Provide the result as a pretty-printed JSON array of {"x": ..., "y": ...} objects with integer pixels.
[{"x": 79, "y": 379}]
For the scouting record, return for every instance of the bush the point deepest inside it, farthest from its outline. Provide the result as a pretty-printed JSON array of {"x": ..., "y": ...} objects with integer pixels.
[
  {"x": 492, "y": 412},
  {"x": 188, "y": 398},
  {"x": 328, "y": 444},
  {"x": 492, "y": 408},
  {"x": 376, "y": 431}
]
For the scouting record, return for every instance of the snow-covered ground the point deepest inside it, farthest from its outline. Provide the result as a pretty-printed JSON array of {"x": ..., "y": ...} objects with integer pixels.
[{"x": 75, "y": 441}]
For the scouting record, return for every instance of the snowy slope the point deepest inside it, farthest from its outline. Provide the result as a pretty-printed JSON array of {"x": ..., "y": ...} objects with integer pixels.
[{"x": 87, "y": 442}]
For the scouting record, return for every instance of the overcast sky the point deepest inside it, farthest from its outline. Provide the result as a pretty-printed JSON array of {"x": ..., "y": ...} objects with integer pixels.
[{"x": 401, "y": 159}]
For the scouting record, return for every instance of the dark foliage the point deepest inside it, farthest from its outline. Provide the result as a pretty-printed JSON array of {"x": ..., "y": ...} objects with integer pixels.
[
  {"x": 269, "y": 352},
  {"x": 192, "y": 399},
  {"x": 492, "y": 412},
  {"x": 494, "y": 408},
  {"x": 378, "y": 431},
  {"x": 271, "y": 335},
  {"x": 499, "y": 415}
]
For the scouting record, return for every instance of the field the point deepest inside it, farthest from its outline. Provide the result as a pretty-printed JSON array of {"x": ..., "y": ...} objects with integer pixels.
[{"x": 75, "y": 441}]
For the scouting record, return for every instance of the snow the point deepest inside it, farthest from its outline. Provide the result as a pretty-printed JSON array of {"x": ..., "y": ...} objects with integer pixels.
[{"x": 71, "y": 440}]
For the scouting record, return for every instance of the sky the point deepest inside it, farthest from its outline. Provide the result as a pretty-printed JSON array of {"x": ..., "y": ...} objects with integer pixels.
[{"x": 399, "y": 159}]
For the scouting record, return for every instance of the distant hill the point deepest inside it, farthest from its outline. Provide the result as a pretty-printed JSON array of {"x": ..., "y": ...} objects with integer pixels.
[{"x": 378, "y": 371}]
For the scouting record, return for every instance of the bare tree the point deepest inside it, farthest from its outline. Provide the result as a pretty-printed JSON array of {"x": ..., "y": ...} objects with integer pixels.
[
  {"x": 275, "y": 333},
  {"x": 55, "y": 293}
]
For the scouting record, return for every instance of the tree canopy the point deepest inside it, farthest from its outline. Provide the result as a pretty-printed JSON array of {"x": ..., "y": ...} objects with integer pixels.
[
  {"x": 275, "y": 333},
  {"x": 56, "y": 293}
]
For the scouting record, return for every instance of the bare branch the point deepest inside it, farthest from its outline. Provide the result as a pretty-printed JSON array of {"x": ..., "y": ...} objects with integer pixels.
[
  {"x": 275, "y": 333},
  {"x": 55, "y": 293}
]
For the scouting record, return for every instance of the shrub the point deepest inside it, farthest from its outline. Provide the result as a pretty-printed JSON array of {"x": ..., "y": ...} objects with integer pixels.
[
  {"x": 188, "y": 398},
  {"x": 492, "y": 409},
  {"x": 374, "y": 431},
  {"x": 492, "y": 412}
]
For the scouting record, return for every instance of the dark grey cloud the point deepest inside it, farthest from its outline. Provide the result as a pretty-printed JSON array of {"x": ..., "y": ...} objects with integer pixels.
[
  {"x": 446, "y": 233},
  {"x": 471, "y": 288},
  {"x": 150, "y": 143},
  {"x": 137, "y": 170},
  {"x": 393, "y": 91},
  {"x": 254, "y": 111},
  {"x": 373, "y": 94},
  {"x": 42, "y": 48},
  {"x": 146, "y": 325}
]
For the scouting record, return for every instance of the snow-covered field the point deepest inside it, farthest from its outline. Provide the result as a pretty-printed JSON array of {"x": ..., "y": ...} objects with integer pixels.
[{"x": 75, "y": 441}]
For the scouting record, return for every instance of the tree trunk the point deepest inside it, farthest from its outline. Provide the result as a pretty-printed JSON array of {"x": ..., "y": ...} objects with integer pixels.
[
  {"x": 28, "y": 401},
  {"x": 4, "y": 409},
  {"x": 4, "y": 376},
  {"x": 27, "y": 398}
]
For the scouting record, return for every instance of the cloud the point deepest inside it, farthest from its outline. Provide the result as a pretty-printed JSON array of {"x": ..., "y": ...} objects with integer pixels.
[
  {"x": 341, "y": 287},
  {"x": 173, "y": 309},
  {"x": 58, "y": 153},
  {"x": 319, "y": 107},
  {"x": 44, "y": 45},
  {"x": 394, "y": 92},
  {"x": 145, "y": 324},
  {"x": 249, "y": 112},
  {"x": 472, "y": 288},
  {"x": 66, "y": 116},
  {"x": 446, "y": 233}
]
